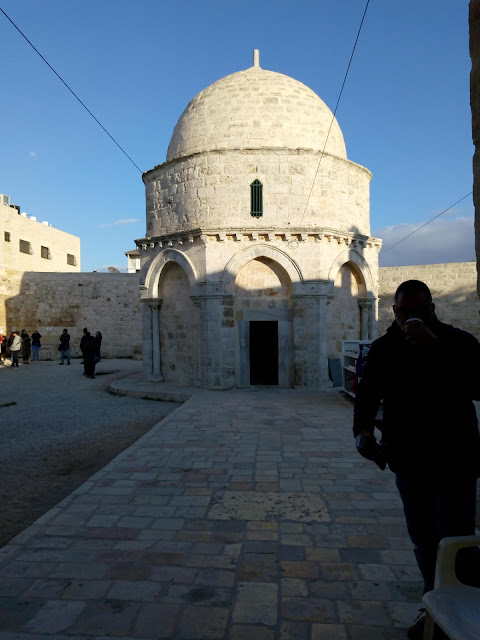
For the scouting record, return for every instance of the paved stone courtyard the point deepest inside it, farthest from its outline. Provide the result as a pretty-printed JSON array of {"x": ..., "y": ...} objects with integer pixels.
[{"x": 245, "y": 515}]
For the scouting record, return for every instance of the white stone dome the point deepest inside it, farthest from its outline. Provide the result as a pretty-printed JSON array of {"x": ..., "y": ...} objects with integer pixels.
[{"x": 256, "y": 109}]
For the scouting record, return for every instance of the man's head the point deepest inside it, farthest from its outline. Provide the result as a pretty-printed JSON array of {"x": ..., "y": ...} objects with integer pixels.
[
  {"x": 65, "y": 331},
  {"x": 413, "y": 300}
]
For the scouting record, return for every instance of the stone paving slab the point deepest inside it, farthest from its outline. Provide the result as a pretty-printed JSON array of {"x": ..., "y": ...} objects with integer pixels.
[{"x": 143, "y": 550}]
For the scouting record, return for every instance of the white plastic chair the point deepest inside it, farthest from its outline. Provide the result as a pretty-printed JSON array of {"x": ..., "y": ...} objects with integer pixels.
[{"x": 452, "y": 606}]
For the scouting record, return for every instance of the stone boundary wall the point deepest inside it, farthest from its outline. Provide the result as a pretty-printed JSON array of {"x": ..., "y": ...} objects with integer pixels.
[
  {"x": 51, "y": 302},
  {"x": 453, "y": 287},
  {"x": 109, "y": 302}
]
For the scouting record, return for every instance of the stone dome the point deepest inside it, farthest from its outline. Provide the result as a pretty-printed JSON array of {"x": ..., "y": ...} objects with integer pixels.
[{"x": 256, "y": 109}]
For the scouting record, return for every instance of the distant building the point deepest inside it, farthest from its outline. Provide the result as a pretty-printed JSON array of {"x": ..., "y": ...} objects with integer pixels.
[
  {"x": 31, "y": 245},
  {"x": 133, "y": 261}
]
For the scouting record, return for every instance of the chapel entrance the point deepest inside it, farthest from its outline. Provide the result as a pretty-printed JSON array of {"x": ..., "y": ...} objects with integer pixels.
[{"x": 263, "y": 352}]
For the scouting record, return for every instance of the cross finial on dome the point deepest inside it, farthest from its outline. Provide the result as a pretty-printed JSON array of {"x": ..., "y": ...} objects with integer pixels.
[{"x": 256, "y": 58}]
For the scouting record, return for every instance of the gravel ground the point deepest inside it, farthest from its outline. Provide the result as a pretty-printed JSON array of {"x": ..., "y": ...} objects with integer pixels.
[{"x": 61, "y": 429}]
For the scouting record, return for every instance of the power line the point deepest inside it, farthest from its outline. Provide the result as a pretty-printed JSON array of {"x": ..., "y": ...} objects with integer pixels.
[
  {"x": 71, "y": 91},
  {"x": 336, "y": 107},
  {"x": 424, "y": 225}
]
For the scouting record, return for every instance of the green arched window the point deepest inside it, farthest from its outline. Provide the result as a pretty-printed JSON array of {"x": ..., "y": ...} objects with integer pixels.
[{"x": 256, "y": 199}]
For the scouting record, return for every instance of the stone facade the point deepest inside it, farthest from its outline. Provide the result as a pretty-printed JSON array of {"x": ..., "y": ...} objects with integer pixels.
[
  {"x": 51, "y": 302},
  {"x": 109, "y": 303},
  {"x": 212, "y": 191},
  {"x": 453, "y": 287},
  {"x": 217, "y": 280}
]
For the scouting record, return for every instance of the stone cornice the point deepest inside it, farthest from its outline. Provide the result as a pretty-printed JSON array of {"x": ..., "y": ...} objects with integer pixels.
[
  {"x": 146, "y": 177},
  {"x": 291, "y": 237}
]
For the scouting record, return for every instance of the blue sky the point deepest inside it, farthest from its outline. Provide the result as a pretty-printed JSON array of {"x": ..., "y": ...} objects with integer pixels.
[{"x": 404, "y": 112}]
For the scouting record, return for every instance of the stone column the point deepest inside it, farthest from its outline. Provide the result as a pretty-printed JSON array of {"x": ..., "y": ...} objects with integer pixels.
[
  {"x": 310, "y": 330},
  {"x": 364, "y": 319},
  {"x": 146, "y": 338},
  {"x": 155, "y": 306},
  {"x": 324, "y": 380}
]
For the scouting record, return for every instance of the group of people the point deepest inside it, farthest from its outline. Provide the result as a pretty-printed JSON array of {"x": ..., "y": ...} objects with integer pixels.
[
  {"x": 89, "y": 346},
  {"x": 22, "y": 345},
  {"x": 19, "y": 345}
]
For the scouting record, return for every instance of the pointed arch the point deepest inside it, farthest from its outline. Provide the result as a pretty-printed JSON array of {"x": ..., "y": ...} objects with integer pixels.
[
  {"x": 241, "y": 258},
  {"x": 359, "y": 268},
  {"x": 156, "y": 265}
]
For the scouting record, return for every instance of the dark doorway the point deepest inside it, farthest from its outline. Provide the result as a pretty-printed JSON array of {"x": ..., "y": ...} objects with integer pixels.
[{"x": 263, "y": 352}]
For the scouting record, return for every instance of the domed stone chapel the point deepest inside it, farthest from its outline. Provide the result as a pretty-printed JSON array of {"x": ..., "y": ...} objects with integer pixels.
[{"x": 257, "y": 260}]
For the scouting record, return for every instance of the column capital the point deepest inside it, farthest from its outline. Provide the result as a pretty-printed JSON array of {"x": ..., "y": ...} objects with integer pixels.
[
  {"x": 153, "y": 303},
  {"x": 365, "y": 304}
]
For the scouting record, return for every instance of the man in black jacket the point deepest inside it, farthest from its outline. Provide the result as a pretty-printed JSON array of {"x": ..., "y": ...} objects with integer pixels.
[{"x": 427, "y": 374}]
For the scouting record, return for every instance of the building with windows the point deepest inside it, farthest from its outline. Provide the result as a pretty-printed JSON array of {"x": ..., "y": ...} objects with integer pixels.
[
  {"x": 257, "y": 260},
  {"x": 30, "y": 245}
]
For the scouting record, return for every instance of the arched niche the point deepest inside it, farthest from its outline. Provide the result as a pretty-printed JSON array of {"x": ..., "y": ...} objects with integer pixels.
[
  {"x": 359, "y": 269},
  {"x": 263, "y": 312},
  {"x": 179, "y": 325},
  {"x": 260, "y": 252},
  {"x": 344, "y": 313}
]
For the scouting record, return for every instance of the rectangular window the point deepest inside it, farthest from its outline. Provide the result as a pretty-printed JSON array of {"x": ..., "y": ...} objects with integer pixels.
[
  {"x": 256, "y": 199},
  {"x": 6, "y": 236},
  {"x": 71, "y": 260},
  {"x": 45, "y": 251},
  {"x": 25, "y": 247}
]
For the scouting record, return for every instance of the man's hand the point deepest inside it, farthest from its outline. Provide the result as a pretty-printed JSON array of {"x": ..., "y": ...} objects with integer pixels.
[
  {"x": 365, "y": 443},
  {"x": 417, "y": 332}
]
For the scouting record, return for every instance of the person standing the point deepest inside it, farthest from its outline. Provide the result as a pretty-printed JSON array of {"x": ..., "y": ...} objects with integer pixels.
[
  {"x": 89, "y": 355},
  {"x": 98, "y": 346},
  {"x": 15, "y": 348},
  {"x": 427, "y": 374},
  {"x": 82, "y": 342},
  {"x": 3, "y": 348},
  {"x": 26, "y": 346},
  {"x": 9, "y": 344},
  {"x": 64, "y": 347},
  {"x": 36, "y": 344}
]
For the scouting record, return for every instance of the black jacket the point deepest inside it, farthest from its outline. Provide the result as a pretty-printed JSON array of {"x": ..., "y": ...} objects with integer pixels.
[
  {"x": 36, "y": 340},
  {"x": 65, "y": 341},
  {"x": 429, "y": 420}
]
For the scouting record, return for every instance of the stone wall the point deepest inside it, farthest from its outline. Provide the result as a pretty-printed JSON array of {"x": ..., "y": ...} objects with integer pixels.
[
  {"x": 453, "y": 287},
  {"x": 51, "y": 302},
  {"x": 211, "y": 190},
  {"x": 110, "y": 303}
]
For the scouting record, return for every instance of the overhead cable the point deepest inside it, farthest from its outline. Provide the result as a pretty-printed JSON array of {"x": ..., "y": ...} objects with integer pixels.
[
  {"x": 336, "y": 107},
  {"x": 426, "y": 223},
  {"x": 71, "y": 90}
]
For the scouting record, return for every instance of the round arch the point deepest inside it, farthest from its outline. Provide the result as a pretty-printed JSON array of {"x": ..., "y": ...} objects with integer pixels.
[
  {"x": 244, "y": 256},
  {"x": 359, "y": 268},
  {"x": 156, "y": 266}
]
